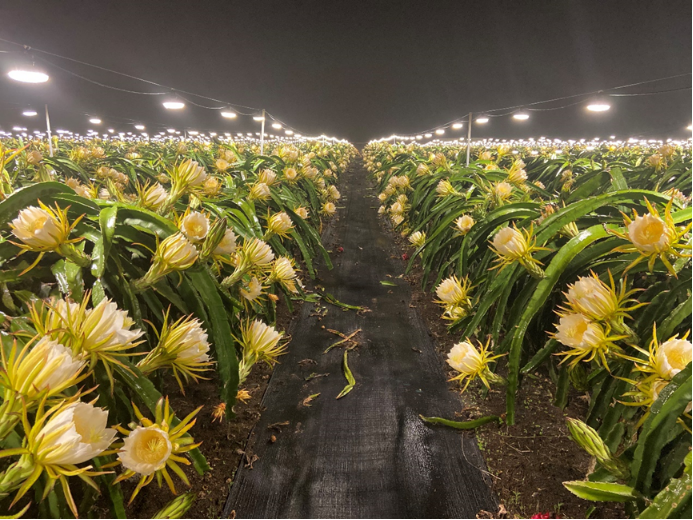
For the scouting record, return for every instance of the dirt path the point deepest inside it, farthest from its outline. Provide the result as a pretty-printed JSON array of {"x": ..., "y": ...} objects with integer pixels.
[{"x": 365, "y": 455}]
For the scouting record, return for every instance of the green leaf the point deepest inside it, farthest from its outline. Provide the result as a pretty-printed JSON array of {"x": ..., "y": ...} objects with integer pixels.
[
  {"x": 553, "y": 223},
  {"x": 69, "y": 278},
  {"x": 601, "y": 491},
  {"x": 29, "y": 196},
  {"x": 554, "y": 270},
  {"x": 674, "y": 319},
  {"x": 220, "y": 332},
  {"x": 115, "y": 493},
  {"x": 673, "y": 497},
  {"x": 351, "y": 381},
  {"x": 461, "y": 425},
  {"x": 102, "y": 247},
  {"x": 660, "y": 428}
]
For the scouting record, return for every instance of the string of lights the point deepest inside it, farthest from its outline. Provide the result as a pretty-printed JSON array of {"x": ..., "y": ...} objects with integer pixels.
[
  {"x": 521, "y": 109},
  {"x": 178, "y": 99}
]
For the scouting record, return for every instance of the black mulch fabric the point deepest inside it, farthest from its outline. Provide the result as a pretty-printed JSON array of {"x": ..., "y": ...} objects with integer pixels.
[{"x": 366, "y": 455}]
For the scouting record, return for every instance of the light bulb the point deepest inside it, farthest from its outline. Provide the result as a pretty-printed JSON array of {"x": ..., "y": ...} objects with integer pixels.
[
  {"x": 28, "y": 76},
  {"x": 440, "y": 131},
  {"x": 457, "y": 126},
  {"x": 228, "y": 114},
  {"x": 173, "y": 105},
  {"x": 276, "y": 126},
  {"x": 482, "y": 120},
  {"x": 29, "y": 113},
  {"x": 139, "y": 127},
  {"x": 598, "y": 107},
  {"x": 95, "y": 121}
]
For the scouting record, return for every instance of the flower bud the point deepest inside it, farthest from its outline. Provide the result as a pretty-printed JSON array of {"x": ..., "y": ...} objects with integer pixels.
[
  {"x": 418, "y": 238},
  {"x": 280, "y": 224}
]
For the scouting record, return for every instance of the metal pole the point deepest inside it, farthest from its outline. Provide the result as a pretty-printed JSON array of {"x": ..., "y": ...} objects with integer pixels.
[
  {"x": 262, "y": 134},
  {"x": 48, "y": 130},
  {"x": 469, "y": 137}
]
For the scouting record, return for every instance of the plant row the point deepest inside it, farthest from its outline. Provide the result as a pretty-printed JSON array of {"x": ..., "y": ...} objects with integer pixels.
[
  {"x": 125, "y": 263},
  {"x": 574, "y": 260}
]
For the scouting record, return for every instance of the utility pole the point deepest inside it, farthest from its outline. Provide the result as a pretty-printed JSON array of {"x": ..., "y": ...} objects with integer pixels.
[
  {"x": 262, "y": 134},
  {"x": 48, "y": 130},
  {"x": 469, "y": 137}
]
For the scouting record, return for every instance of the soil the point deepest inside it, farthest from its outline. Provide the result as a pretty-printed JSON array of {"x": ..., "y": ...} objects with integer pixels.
[
  {"x": 527, "y": 462},
  {"x": 223, "y": 443}
]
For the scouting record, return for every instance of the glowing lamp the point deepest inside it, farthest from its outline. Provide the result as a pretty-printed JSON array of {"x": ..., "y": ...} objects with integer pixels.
[
  {"x": 598, "y": 107},
  {"x": 95, "y": 121},
  {"x": 457, "y": 126},
  {"x": 482, "y": 120},
  {"x": 276, "y": 126},
  {"x": 28, "y": 76},
  {"x": 139, "y": 127},
  {"x": 29, "y": 113},
  {"x": 440, "y": 131},
  {"x": 229, "y": 115},
  {"x": 521, "y": 116},
  {"x": 173, "y": 105}
]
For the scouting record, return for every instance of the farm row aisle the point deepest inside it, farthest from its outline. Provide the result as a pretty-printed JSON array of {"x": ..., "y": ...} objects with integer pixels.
[{"x": 367, "y": 454}]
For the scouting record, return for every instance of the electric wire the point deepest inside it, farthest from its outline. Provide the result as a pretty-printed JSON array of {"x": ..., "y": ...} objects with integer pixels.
[{"x": 606, "y": 91}]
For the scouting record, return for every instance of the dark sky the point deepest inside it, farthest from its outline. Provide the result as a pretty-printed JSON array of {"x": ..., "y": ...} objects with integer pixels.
[{"x": 359, "y": 70}]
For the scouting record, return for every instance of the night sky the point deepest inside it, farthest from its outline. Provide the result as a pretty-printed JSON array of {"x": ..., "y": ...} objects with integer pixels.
[{"x": 357, "y": 70}]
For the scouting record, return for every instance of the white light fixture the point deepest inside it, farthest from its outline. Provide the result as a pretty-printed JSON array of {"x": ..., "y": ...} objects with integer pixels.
[
  {"x": 173, "y": 105},
  {"x": 193, "y": 132},
  {"x": 456, "y": 126},
  {"x": 111, "y": 130},
  {"x": 229, "y": 115},
  {"x": 689, "y": 127},
  {"x": 289, "y": 132},
  {"x": 428, "y": 135},
  {"x": 521, "y": 116},
  {"x": 598, "y": 107},
  {"x": 95, "y": 121},
  {"x": 419, "y": 136},
  {"x": 440, "y": 131},
  {"x": 276, "y": 126},
  {"x": 139, "y": 127},
  {"x": 482, "y": 120},
  {"x": 612, "y": 137},
  {"x": 29, "y": 113},
  {"x": 28, "y": 76},
  {"x": 258, "y": 118},
  {"x": 171, "y": 130}
]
